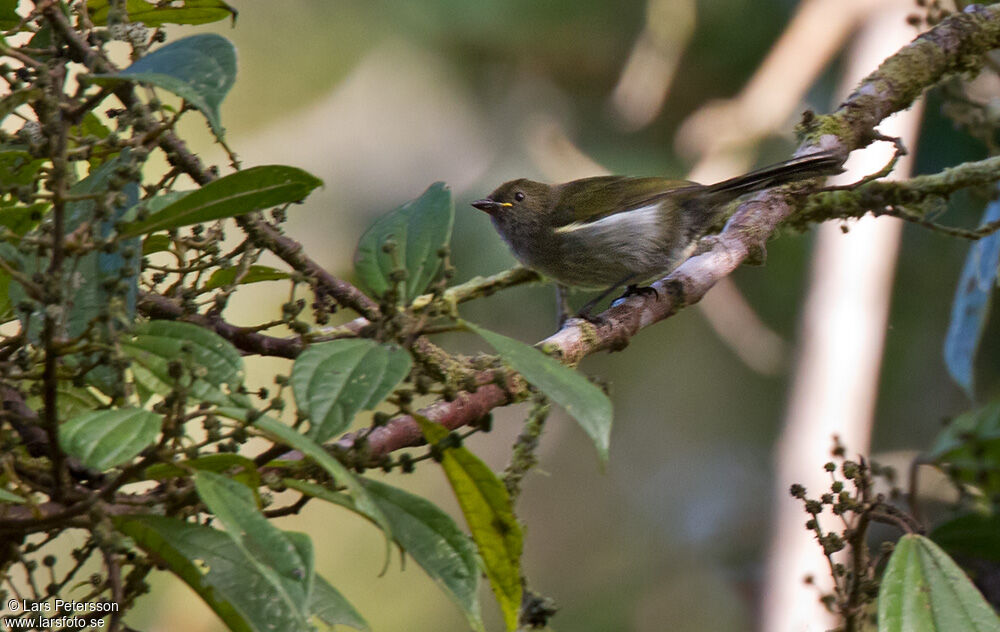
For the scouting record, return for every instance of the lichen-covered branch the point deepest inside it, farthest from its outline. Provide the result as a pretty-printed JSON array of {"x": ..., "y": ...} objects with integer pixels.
[
  {"x": 156, "y": 306},
  {"x": 885, "y": 197},
  {"x": 480, "y": 287}
]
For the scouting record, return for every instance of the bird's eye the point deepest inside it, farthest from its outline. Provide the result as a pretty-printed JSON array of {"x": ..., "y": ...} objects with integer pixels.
[{"x": 519, "y": 196}]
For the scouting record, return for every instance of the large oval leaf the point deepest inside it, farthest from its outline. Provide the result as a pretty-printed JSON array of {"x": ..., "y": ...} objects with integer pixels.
[
  {"x": 424, "y": 531},
  {"x": 210, "y": 359},
  {"x": 923, "y": 590},
  {"x": 236, "y": 194},
  {"x": 341, "y": 475},
  {"x": 158, "y": 14},
  {"x": 584, "y": 401},
  {"x": 70, "y": 401},
  {"x": 972, "y": 535},
  {"x": 200, "y": 69},
  {"x": 173, "y": 339},
  {"x": 270, "y": 548},
  {"x": 418, "y": 230},
  {"x": 333, "y": 381},
  {"x": 435, "y": 542},
  {"x": 971, "y": 305},
  {"x": 95, "y": 272},
  {"x": 222, "y": 574},
  {"x": 106, "y": 438},
  {"x": 330, "y": 607},
  {"x": 488, "y": 511}
]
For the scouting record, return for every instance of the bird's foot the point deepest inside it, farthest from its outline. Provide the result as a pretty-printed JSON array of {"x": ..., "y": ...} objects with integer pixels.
[
  {"x": 633, "y": 290},
  {"x": 584, "y": 314}
]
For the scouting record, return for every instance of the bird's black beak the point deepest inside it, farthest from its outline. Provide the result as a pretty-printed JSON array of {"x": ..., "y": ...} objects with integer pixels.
[{"x": 487, "y": 205}]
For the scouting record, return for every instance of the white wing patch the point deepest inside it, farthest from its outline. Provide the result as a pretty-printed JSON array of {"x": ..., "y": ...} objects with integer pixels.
[{"x": 642, "y": 220}]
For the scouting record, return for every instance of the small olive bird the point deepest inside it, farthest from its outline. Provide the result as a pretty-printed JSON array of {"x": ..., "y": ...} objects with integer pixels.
[{"x": 612, "y": 231}]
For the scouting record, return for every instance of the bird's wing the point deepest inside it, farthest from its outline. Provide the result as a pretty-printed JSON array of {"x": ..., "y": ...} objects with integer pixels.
[{"x": 595, "y": 199}]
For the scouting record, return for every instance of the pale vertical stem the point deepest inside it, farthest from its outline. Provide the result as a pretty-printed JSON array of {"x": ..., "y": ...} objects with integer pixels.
[{"x": 842, "y": 333}]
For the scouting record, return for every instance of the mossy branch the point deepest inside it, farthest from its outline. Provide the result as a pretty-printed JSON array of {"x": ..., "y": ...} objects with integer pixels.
[{"x": 910, "y": 199}]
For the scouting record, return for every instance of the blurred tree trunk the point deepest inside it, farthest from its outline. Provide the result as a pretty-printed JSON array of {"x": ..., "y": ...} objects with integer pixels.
[{"x": 839, "y": 354}]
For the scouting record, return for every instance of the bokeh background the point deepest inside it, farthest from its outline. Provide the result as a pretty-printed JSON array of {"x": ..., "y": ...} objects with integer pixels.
[{"x": 380, "y": 99}]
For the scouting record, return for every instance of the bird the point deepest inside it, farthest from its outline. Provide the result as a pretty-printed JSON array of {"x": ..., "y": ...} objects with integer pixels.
[{"x": 615, "y": 231}]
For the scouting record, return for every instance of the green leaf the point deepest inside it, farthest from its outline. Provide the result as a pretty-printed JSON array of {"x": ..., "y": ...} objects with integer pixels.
[
  {"x": 6, "y": 309},
  {"x": 161, "y": 201},
  {"x": 228, "y": 580},
  {"x": 315, "y": 490},
  {"x": 98, "y": 269},
  {"x": 976, "y": 426},
  {"x": 254, "y": 274},
  {"x": 42, "y": 39},
  {"x": 972, "y": 535},
  {"x": 584, "y": 401},
  {"x": 433, "y": 539},
  {"x": 333, "y": 381},
  {"x": 10, "y": 497},
  {"x": 428, "y": 534},
  {"x": 21, "y": 219},
  {"x": 419, "y": 229},
  {"x": 330, "y": 607},
  {"x": 211, "y": 360},
  {"x": 153, "y": 14},
  {"x": 971, "y": 305},
  {"x": 10, "y": 256},
  {"x": 90, "y": 125},
  {"x": 151, "y": 369},
  {"x": 239, "y": 468},
  {"x": 236, "y": 194},
  {"x": 923, "y": 590},
  {"x": 70, "y": 401},
  {"x": 149, "y": 207},
  {"x": 341, "y": 475},
  {"x": 970, "y": 448},
  {"x": 200, "y": 69},
  {"x": 8, "y": 15},
  {"x": 106, "y": 438},
  {"x": 18, "y": 167},
  {"x": 156, "y": 243},
  {"x": 490, "y": 516},
  {"x": 16, "y": 99},
  {"x": 222, "y": 362},
  {"x": 235, "y": 506},
  {"x": 86, "y": 281}
]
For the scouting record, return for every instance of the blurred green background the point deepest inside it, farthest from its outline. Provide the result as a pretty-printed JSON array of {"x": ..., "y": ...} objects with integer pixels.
[{"x": 380, "y": 99}]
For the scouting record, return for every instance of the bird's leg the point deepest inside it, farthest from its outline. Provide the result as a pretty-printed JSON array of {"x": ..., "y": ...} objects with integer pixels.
[
  {"x": 634, "y": 289},
  {"x": 585, "y": 312},
  {"x": 563, "y": 311}
]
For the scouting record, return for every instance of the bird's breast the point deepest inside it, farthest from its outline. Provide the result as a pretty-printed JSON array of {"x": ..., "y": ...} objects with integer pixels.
[{"x": 598, "y": 253}]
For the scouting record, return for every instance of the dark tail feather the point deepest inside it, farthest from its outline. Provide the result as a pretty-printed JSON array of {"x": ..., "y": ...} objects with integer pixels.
[{"x": 813, "y": 165}]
